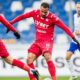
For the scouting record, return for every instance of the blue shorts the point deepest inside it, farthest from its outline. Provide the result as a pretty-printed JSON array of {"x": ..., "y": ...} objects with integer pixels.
[{"x": 73, "y": 47}]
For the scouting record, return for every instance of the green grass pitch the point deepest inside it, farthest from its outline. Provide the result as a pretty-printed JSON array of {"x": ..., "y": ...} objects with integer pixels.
[{"x": 24, "y": 78}]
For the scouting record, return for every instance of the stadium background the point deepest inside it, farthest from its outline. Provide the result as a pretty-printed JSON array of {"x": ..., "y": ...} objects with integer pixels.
[{"x": 18, "y": 48}]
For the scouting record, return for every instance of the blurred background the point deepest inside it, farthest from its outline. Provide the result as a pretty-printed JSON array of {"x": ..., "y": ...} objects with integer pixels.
[{"x": 64, "y": 9}]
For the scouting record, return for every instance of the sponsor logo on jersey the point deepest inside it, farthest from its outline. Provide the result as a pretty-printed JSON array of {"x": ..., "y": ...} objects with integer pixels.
[{"x": 41, "y": 24}]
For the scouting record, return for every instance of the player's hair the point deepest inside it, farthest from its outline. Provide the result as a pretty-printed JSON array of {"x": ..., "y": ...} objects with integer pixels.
[{"x": 45, "y": 5}]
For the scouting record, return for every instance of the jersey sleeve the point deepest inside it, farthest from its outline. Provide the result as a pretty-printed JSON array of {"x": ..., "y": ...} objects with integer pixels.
[
  {"x": 7, "y": 24},
  {"x": 23, "y": 16},
  {"x": 61, "y": 25},
  {"x": 54, "y": 18}
]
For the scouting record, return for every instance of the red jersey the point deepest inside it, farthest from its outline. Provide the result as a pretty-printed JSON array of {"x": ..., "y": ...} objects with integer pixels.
[{"x": 44, "y": 26}]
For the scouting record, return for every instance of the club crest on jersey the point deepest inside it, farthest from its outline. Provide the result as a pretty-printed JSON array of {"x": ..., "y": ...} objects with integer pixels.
[
  {"x": 40, "y": 24},
  {"x": 47, "y": 20}
]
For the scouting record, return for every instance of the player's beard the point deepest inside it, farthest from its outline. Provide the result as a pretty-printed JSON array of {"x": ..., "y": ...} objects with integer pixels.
[{"x": 43, "y": 16}]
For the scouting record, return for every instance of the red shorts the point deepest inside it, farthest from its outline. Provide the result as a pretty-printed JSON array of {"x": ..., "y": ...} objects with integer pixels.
[
  {"x": 3, "y": 52},
  {"x": 40, "y": 47}
]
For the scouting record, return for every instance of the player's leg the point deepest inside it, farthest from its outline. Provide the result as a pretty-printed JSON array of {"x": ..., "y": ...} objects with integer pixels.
[
  {"x": 16, "y": 62},
  {"x": 20, "y": 64},
  {"x": 47, "y": 47},
  {"x": 70, "y": 66},
  {"x": 69, "y": 54},
  {"x": 33, "y": 53},
  {"x": 30, "y": 59},
  {"x": 47, "y": 53},
  {"x": 51, "y": 66},
  {"x": 5, "y": 55},
  {"x": 68, "y": 60}
]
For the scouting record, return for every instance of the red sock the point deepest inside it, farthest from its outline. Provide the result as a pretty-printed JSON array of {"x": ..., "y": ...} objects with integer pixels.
[
  {"x": 20, "y": 65},
  {"x": 52, "y": 70},
  {"x": 30, "y": 75}
]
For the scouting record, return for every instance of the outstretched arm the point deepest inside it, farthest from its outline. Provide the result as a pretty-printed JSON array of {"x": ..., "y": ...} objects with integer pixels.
[
  {"x": 21, "y": 17},
  {"x": 9, "y": 26},
  {"x": 60, "y": 24}
]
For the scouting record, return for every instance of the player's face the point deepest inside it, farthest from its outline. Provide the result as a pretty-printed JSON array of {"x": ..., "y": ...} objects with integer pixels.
[
  {"x": 43, "y": 12},
  {"x": 78, "y": 8}
]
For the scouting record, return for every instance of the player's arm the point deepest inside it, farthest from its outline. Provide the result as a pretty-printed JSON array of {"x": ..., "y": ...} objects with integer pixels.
[
  {"x": 9, "y": 26},
  {"x": 61, "y": 25},
  {"x": 22, "y": 16}
]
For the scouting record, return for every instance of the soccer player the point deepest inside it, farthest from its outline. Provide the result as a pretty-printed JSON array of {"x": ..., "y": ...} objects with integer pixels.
[
  {"x": 73, "y": 46},
  {"x": 45, "y": 22},
  {"x": 5, "y": 55}
]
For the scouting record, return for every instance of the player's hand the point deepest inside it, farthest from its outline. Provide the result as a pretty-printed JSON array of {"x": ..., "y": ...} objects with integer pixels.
[
  {"x": 17, "y": 35},
  {"x": 75, "y": 40}
]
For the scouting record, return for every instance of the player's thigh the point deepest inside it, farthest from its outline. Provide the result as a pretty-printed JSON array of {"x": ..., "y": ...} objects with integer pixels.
[
  {"x": 34, "y": 50},
  {"x": 47, "y": 56},
  {"x": 33, "y": 53},
  {"x": 47, "y": 50},
  {"x": 31, "y": 57},
  {"x": 3, "y": 51},
  {"x": 46, "y": 46}
]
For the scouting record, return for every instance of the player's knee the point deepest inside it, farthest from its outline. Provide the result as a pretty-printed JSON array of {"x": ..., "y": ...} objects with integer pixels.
[
  {"x": 47, "y": 56},
  {"x": 30, "y": 59},
  {"x": 68, "y": 55},
  {"x": 67, "y": 58},
  {"x": 9, "y": 60}
]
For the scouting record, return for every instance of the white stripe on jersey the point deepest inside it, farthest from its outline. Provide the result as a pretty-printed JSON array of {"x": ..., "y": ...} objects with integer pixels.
[
  {"x": 76, "y": 22},
  {"x": 77, "y": 25}
]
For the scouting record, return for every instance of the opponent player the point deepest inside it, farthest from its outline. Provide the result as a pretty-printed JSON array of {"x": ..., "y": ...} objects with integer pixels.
[
  {"x": 73, "y": 46},
  {"x": 45, "y": 22},
  {"x": 5, "y": 55}
]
